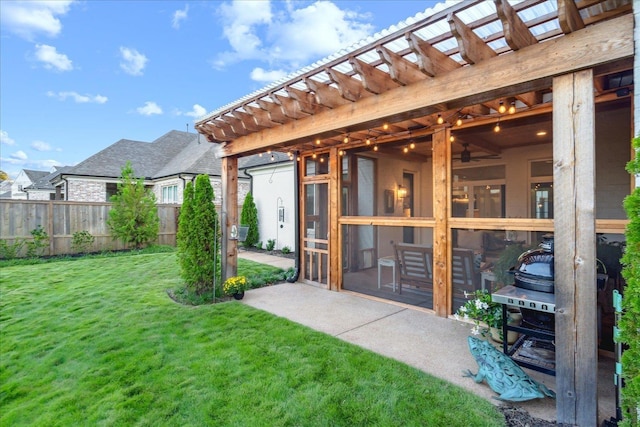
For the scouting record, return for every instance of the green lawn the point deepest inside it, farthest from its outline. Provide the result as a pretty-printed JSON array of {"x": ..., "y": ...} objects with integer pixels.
[{"x": 97, "y": 341}]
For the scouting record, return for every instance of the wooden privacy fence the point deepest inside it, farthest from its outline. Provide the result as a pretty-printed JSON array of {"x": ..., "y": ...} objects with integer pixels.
[{"x": 61, "y": 219}]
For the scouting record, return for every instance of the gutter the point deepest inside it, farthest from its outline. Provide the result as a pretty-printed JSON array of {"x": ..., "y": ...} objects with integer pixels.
[{"x": 296, "y": 209}]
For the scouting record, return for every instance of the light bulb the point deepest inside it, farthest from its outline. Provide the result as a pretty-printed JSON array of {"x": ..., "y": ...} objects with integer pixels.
[
  {"x": 512, "y": 108},
  {"x": 317, "y": 141},
  {"x": 459, "y": 122},
  {"x": 497, "y": 128},
  {"x": 375, "y": 148},
  {"x": 314, "y": 155},
  {"x": 346, "y": 139},
  {"x": 385, "y": 126},
  {"x": 451, "y": 138},
  {"x": 502, "y": 108},
  {"x": 412, "y": 145},
  {"x": 368, "y": 141},
  {"x": 405, "y": 150},
  {"x": 440, "y": 119},
  {"x": 341, "y": 153}
]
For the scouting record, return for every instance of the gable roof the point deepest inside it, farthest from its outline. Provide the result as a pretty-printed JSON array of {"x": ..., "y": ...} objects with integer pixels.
[
  {"x": 34, "y": 175},
  {"x": 45, "y": 182}
]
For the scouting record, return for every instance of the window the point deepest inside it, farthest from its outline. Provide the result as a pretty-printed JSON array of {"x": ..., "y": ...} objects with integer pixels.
[
  {"x": 170, "y": 194},
  {"x": 542, "y": 189},
  {"x": 479, "y": 192},
  {"x": 112, "y": 190}
]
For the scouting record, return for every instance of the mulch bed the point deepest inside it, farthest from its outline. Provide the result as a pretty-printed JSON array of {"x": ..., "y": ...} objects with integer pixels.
[{"x": 518, "y": 417}]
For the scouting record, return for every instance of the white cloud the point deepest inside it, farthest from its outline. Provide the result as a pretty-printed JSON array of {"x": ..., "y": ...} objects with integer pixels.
[
  {"x": 52, "y": 59},
  {"x": 150, "y": 108},
  {"x": 40, "y": 146},
  {"x": 197, "y": 111},
  {"x": 18, "y": 155},
  {"x": 289, "y": 38},
  {"x": 30, "y": 18},
  {"x": 5, "y": 139},
  {"x": 80, "y": 99},
  {"x": 179, "y": 16},
  {"x": 133, "y": 62},
  {"x": 261, "y": 75}
]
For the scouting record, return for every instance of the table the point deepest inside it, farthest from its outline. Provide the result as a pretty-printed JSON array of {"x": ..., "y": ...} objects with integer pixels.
[
  {"x": 487, "y": 277},
  {"x": 531, "y": 300},
  {"x": 387, "y": 261}
]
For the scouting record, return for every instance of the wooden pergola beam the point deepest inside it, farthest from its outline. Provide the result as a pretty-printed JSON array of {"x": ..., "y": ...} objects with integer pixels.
[
  {"x": 472, "y": 48},
  {"x": 275, "y": 112},
  {"x": 374, "y": 80},
  {"x": 290, "y": 107},
  {"x": 430, "y": 60},
  {"x": 536, "y": 65},
  {"x": 306, "y": 100},
  {"x": 325, "y": 94},
  {"x": 349, "y": 88},
  {"x": 401, "y": 71},
  {"x": 261, "y": 116},
  {"x": 569, "y": 16},
  {"x": 248, "y": 121},
  {"x": 516, "y": 32}
]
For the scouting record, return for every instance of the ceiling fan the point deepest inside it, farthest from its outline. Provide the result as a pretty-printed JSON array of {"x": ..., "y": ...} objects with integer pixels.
[{"x": 465, "y": 155}]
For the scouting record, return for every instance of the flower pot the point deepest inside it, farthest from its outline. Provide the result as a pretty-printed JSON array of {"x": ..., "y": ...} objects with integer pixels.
[
  {"x": 512, "y": 336},
  {"x": 238, "y": 295}
]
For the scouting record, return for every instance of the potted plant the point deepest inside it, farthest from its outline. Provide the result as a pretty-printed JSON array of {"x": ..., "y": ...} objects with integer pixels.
[
  {"x": 487, "y": 316},
  {"x": 235, "y": 286}
]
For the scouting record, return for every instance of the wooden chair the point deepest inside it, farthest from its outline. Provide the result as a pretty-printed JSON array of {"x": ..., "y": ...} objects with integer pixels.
[{"x": 414, "y": 265}]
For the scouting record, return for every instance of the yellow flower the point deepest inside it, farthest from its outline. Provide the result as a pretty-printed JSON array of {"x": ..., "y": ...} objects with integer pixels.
[{"x": 234, "y": 285}]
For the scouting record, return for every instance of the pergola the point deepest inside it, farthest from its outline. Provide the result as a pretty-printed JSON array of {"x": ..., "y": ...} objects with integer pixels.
[{"x": 469, "y": 65}]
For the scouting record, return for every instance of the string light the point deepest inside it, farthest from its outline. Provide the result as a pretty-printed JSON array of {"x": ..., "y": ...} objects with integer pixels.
[
  {"x": 314, "y": 155},
  {"x": 440, "y": 119},
  {"x": 318, "y": 141},
  {"x": 459, "y": 122},
  {"x": 496, "y": 129},
  {"x": 368, "y": 141},
  {"x": 341, "y": 152},
  {"x": 375, "y": 147},
  {"x": 412, "y": 145},
  {"x": 346, "y": 139},
  {"x": 405, "y": 150},
  {"x": 452, "y": 138},
  {"x": 502, "y": 108},
  {"x": 512, "y": 108},
  {"x": 273, "y": 158},
  {"x": 385, "y": 126}
]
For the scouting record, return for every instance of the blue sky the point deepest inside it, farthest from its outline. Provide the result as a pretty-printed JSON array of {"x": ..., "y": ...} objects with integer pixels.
[{"x": 77, "y": 76}]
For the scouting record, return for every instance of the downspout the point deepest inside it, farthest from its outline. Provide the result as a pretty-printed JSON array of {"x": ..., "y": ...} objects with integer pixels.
[{"x": 296, "y": 210}]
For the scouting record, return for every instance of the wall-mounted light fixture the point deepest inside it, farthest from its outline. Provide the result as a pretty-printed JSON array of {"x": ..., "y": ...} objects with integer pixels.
[{"x": 402, "y": 192}]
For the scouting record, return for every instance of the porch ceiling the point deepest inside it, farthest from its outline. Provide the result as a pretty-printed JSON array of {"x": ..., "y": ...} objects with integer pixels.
[{"x": 423, "y": 49}]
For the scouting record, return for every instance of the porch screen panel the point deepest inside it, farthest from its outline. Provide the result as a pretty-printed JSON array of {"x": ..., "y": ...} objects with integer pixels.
[
  {"x": 316, "y": 229},
  {"x": 377, "y": 271}
]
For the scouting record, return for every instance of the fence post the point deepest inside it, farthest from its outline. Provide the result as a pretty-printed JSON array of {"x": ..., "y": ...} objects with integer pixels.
[{"x": 50, "y": 228}]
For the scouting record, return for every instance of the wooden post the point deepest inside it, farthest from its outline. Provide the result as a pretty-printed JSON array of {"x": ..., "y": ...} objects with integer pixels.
[
  {"x": 441, "y": 235},
  {"x": 575, "y": 248},
  {"x": 335, "y": 250},
  {"x": 229, "y": 249}
]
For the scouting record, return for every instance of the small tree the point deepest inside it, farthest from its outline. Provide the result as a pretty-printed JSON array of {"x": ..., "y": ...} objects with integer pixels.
[
  {"x": 249, "y": 218},
  {"x": 630, "y": 319},
  {"x": 133, "y": 218},
  {"x": 198, "y": 236}
]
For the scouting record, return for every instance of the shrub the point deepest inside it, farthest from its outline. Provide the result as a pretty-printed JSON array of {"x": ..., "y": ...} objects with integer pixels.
[
  {"x": 82, "y": 241},
  {"x": 286, "y": 250},
  {"x": 39, "y": 243},
  {"x": 271, "y": 243},
  {"x": 630, "y": 319},
  {"x": 249, "y": 218},
  {"x": 199, "y": 236},
  {"x": 133, "y": 217},
  {"x": 11, "y": 250},
  {"x": 259, "y": 245}
]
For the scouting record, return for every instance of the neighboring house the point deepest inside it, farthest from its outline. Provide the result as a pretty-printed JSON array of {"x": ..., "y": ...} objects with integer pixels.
[
  {"x": 43, "y": 189},
  {"x": 166, "y": 165},
  {"x": 272, "y": 186},
  {"x": 5, "y": 189},
  {"x": 25, "y": 178}
]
